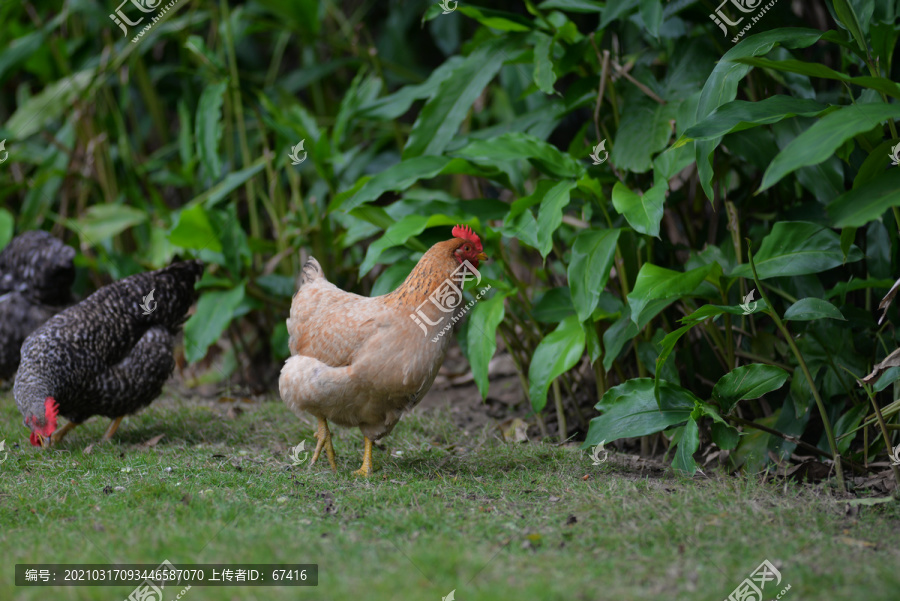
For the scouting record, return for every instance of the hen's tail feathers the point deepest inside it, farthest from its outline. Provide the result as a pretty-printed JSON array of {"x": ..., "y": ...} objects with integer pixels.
[{"x": 311, "y": 271}]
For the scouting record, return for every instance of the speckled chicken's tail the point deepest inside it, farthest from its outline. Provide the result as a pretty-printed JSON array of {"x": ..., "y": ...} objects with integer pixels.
[{"x": 311, "y": 271}]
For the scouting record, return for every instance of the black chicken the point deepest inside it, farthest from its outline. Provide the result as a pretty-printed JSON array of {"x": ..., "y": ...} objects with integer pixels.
[
  {"x": 108, "y": 355},
  {"x": 36, "y": 275}
]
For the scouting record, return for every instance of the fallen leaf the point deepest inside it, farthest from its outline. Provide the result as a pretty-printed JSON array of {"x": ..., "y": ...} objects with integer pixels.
[
  {"x": 855, "y": 542},
  {"x": 153, "y": 441},
  {"x": 514, "y": 430},
  {"x": 892, "y": 360},
  {"x": 887, "y": 300},
  {"x": 88, "y": 449}
]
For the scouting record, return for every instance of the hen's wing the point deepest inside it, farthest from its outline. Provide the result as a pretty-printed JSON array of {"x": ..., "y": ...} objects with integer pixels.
[
  {"x": 328, "y": 323},
  {"x": 133, "y": 383}
]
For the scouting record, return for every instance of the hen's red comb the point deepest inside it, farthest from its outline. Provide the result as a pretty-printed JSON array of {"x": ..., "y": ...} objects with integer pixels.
[{"x": 464, "y": 232}]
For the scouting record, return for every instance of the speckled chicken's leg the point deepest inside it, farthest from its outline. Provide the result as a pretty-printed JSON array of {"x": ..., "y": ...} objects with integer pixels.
[
  {"x": 366, "y": 469},
  {"x": 57, "y": 436},
  {"x": 323, "y": 434},
  {"x": 113, "y": 426}
]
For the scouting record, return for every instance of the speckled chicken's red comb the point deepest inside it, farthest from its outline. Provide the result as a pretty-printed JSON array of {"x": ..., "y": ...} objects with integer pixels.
[
  {"x": 465, "y": 233},
  {"x": 51, "y": 409}
]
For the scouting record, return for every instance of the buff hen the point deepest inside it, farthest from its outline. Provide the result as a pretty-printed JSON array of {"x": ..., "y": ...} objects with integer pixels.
[{"x": 362, "y": 362}]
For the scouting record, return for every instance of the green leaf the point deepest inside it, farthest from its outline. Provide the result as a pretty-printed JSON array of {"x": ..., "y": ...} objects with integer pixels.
[
  {"x": 824, "y": 137},
  {"x": 808, "y": 309},
  {"x": 441, "y": 116},
  {"x": 747, "y": 382},
  {"x": 544, "y": 77},
  {"x": 739, "y": 115},
  {"x": 229, "y": 184},
  {"x": 195, "y": 231},
  {"x": 400, "y": 177},
  {"x": 214, "y": 312},
  {"x": 553, "y": 306},
  {"x": 7, "y": 227},
  {"x": 592, "y": 257},
  {"x": 644, "y": 130},
  {"x": 556, "y": 354},
  {"x": 722, "y": 84},
  {"x": 103, "y": 221},
  {"x": 643, "y": 212},
  {"x": 687, "y": 446},
  {"x": 651, "y": 13},
  {"x": 497, "y": 19},
  {"x": 844, "y": 11},
  {"x": 797, "y": 248},
  {"x": 516, "y": 146},
  {"x": 550, "y": 215},
  {"x": 630, "y": 410},
  {"x": 398, "y": 234},
  {"x": 707, "y": 311},
  {"x": 859, "y": 206},
  {"x": 654, "y": 283},
  {"x": 482, "y": 338},
  {"x": 726, "y": 437},
  {"x": 209, "y": 128},
  {"x": 54, "y": 99}
]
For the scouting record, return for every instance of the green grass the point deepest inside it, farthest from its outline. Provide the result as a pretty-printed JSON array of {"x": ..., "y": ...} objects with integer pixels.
[{"x": 455, "y": 510}]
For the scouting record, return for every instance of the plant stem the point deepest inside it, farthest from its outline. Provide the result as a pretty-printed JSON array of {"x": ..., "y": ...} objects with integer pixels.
[
  {"x": 884, "y": 432},
  {"x": 826, "y": 422}
]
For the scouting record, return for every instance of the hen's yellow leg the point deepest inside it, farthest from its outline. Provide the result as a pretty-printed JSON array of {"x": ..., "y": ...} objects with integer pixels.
[
  {"x": 366, "y": 469},
  {"x": 113, "y": 426},
  {"x": 59, "y": 434},
  {"x": 323, "y": 434}
]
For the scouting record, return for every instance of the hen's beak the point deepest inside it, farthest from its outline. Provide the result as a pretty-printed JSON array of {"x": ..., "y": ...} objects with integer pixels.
[
  {"x": 44, "y": 440},
  {"x": 481, "y": 257}
]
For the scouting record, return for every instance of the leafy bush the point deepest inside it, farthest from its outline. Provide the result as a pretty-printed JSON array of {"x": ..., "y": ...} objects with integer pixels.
[{"x": 629, "y": 277}]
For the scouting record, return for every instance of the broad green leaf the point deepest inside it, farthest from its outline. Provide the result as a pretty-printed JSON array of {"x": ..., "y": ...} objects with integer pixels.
[
  {"x": 49, "y": 105},
  {"x": 214, "y": 312},
  {"x": 553, "y": 306},
  {"x": 808, "y": 309},
  {"x": 615, "y": 9},
  {"x": 630, "y": 410},
  {"x": 550, "y": 215},
  {"x": 643, "y": 212},
  {"x": 400, "y": 177},
  {"x": 707, "y": 311},
  {"x": 844, "y": 11},
  {"x": 544, "y": 77},
  {"x": 517, "y": 145},
  {"x": 857, "y": 207},
  {"x": 726, "y": 437},
  {"x": 824, "y": 137},
  {"x": 556, "y": 354},
  {"x": 592, "y": 258},
  {"x": 687, "y": 446},
  {"x": 442, "y": 115},
  {"x": 195, "y": 231},
  {"x": 396, "y": 104},
  {"x": 103, "y": 221},
  {"x": 747, "y": 382},
  {"x": 722, "y": 84},
  {"x": 209, "y": 128},
  {"x": 739, "y": 115},
  {"x": 496, "y": 19},
  {"x": 398, "y": 234},
  {"x": 644, "y": 131},
  {"x": 482, "y": 338},
  {"x": 229, "y": 184},
  {"x": 880, "y": 84},
  {"x": 655, "y": 283},
  {"x": 622, "y": 331},
  {"x": 573, "y": 6},
  {"x": 797, "y": 248},
  {"x": 651, "y": 13}
]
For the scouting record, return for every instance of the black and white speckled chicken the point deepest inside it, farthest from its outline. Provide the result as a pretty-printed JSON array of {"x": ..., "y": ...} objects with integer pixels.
[
  {"x": 108, "y": 355},
  {"x": 36, "y": 275}
]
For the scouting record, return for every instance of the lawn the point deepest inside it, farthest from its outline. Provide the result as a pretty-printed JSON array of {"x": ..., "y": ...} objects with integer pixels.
[{"x": 447, "y": 510}]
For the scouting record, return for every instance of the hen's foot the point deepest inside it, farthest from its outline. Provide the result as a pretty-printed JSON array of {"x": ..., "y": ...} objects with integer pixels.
[
  {"x": 323, "y": 434},
  {"x": 366, "y": 469},
  {"x": 57, "y": 436},
  {"x": 113, "y": 426}
]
